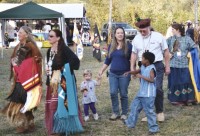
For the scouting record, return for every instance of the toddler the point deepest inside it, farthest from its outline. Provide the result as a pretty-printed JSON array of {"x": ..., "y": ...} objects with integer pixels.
[{"x": 89, "y": 97}]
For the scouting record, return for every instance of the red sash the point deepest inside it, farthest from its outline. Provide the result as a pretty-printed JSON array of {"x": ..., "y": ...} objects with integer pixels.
[{"x": 28, "y": 74}]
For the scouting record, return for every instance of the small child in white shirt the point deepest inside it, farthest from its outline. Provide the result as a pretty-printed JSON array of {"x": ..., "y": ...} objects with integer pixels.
[{"x": 89, "y": 97}]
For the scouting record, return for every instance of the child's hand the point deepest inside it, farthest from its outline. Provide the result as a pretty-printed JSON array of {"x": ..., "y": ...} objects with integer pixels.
[
  {"x": 139, "y": 76},
  {"x": 126, "y": 73},
  {"x": 85, "y": 93},
  {"x": 99, "y": 77}
]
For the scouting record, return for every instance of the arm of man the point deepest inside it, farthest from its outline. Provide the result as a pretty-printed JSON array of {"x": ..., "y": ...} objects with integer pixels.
[
  {"x": 166, "y": 56},
  {"x": 167, "y": 59},
  {"x": 133, "y": 61}
]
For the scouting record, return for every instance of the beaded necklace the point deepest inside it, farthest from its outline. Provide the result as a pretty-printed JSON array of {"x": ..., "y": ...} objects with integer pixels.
[{"x": 50, "y": 62}]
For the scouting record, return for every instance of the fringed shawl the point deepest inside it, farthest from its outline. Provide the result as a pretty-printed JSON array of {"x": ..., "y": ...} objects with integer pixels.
[{"x": 66, "y": 120}]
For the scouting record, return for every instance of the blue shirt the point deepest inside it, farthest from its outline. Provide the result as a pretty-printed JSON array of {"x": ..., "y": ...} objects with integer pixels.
[
  {"x": 119, "y": 63},
  {"x": 147, "y": 89}
]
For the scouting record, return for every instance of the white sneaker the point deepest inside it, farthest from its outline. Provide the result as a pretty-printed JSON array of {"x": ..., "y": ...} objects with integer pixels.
[
  {"x": 123, "y": 117},
  {"x": 96, "y": 116},
  {"x": 114, "y": 117},
  {"x": 161, "y": 117},
  {"x": 144, "y": 119},
  {"x": 86, "y": 118}
]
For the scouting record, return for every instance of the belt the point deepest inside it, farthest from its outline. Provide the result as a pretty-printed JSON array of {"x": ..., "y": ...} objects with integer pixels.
[{"x": 157, "y": 62}]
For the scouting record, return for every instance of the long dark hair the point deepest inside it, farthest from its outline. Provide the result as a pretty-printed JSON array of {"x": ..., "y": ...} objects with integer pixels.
[
  {"x": 61, "y": 45},
  {"x": 179, "y": 27},
  {"x": 114, "y": 43}
]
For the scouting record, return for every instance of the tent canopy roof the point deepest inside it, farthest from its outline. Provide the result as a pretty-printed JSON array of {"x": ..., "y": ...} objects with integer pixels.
[{"x": 29, "y": 10}]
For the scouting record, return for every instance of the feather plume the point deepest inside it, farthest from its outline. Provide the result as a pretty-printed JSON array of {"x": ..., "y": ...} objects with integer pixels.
[{"x": 137, "y": 18}]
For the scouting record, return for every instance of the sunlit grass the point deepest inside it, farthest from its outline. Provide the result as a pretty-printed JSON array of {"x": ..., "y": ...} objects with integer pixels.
[{"x": 180, "y": 121}]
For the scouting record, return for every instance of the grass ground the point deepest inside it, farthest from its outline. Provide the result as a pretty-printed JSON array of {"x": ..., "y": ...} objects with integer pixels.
[{"x": 180, "y": 121}]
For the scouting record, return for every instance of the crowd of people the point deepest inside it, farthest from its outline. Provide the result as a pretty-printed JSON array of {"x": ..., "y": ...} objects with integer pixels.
[{"x": 155, "y": 55}]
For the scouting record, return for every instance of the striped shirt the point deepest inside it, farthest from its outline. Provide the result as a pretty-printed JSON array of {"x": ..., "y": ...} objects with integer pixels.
[
  {"x": 147, "y": 89},
  {"x": 179, "y": 58}
]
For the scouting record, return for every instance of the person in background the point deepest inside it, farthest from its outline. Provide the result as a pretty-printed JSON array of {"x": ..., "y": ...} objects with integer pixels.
[
  {"x": 145, "y": 97},
  {"x": 119, "y": 53},
  {"x": 154, "y": 42},
  {"x": 6, "y": 40},
  {"x": 190, "y": 30},
  {"x": 55, "y": 25},
  {"x": 89, "y": 97},
  {"x": 46, "y": 29},
  {"x": 169, "y": 32},
  {"x": 180, "y": 88}
]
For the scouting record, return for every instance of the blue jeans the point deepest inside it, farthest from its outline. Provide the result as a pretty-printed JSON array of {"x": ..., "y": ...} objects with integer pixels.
[
  {"x": 119, "y": 83},
  {"x": 146, "y": 103}
]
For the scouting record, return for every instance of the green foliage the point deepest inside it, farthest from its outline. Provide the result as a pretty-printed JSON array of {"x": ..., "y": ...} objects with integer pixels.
[{"x": 161, "y": 12}]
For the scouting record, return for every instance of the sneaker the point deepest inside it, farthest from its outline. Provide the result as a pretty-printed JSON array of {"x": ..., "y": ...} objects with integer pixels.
[
  {"x": 144, "y": 119},
  {"x": 114, "y": 117},
  {"x": 86, "y": 118},
  {"x": 161, "y": 117},
  {"x": 123, "y": 117},
  {"x": 96, "y": 116},
  {"x": 152, "y": 133}
]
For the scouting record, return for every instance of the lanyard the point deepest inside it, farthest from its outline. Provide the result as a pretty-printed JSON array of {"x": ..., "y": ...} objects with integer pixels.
[{"x": 145, "y": 47}]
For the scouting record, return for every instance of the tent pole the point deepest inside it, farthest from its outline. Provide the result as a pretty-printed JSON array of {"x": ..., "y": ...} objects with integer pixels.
[
  {"x": 64, "y": 30},
  {"x": 2, "y": 36}
]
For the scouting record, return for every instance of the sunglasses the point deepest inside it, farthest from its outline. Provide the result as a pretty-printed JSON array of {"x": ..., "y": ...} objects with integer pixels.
[{"x": 51, "y": 36}]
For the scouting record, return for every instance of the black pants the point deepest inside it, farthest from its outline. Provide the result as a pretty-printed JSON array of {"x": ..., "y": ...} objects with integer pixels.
[{"x": 160, "y": 69}]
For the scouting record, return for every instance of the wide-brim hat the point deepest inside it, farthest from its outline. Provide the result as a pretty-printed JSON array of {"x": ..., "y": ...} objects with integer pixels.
[{"x": 143, "y": 23}]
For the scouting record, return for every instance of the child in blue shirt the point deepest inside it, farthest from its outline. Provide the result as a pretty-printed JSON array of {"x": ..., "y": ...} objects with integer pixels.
[{"x": 146, "y": 95}]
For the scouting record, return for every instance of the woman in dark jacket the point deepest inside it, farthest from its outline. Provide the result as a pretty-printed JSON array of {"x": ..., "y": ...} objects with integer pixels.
[{"x": 57, "y": 56}]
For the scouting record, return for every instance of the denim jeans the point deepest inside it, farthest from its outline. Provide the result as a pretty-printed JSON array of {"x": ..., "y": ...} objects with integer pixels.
[
  {"x": 119, "y": 83},
  {"x": 160, "y": 69},
  {"x": 146, "y": 103}
]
